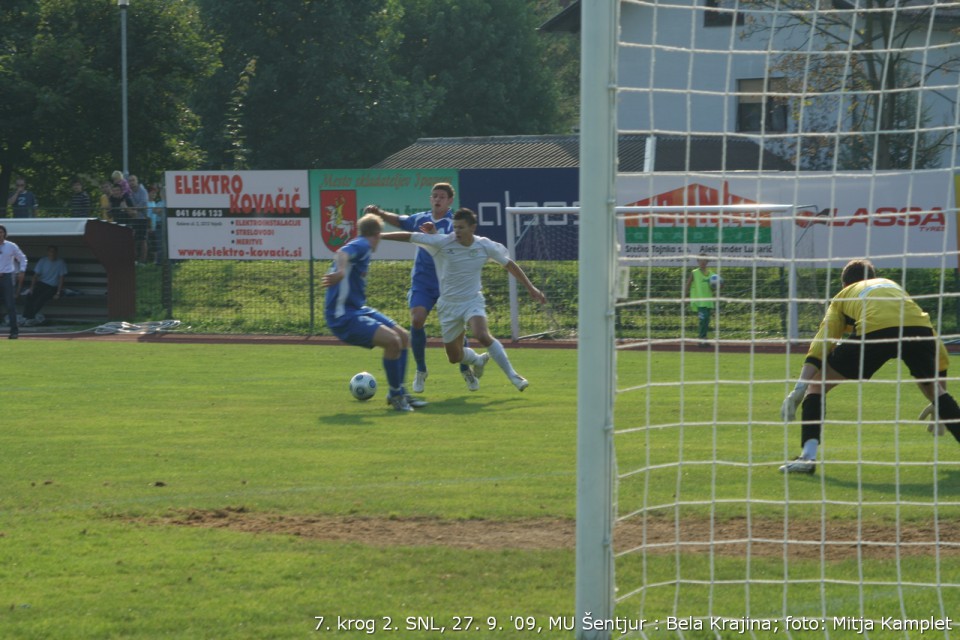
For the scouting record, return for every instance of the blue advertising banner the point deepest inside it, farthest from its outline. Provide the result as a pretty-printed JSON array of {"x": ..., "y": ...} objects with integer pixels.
[{"x": 490, "y": 191}]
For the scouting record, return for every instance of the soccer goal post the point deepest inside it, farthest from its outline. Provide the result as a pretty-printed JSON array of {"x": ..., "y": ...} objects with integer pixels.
[
  {"x": 686, "y": 526},
  {"x": 736, "y": 237}
]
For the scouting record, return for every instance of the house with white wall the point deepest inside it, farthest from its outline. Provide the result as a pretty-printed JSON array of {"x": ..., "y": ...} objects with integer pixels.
[{"x": 700, "y": 67}]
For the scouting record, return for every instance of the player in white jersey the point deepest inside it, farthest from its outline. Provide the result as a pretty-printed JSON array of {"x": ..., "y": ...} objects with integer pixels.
[
  {"x": 459, "y": 258},
  {"x": 424, "y": 288}
]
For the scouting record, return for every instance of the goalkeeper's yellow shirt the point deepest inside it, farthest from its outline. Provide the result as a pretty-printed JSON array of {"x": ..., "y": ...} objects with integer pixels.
[{"x": 867, "y": 306}]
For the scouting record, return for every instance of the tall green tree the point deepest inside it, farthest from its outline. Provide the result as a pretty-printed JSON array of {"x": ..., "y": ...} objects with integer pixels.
[
  {"x": 60, "y": 81},
  {"x": 482, "y": 63},
  {"x": 560, "y": 58},
  {"x": 306, "y": 84}
]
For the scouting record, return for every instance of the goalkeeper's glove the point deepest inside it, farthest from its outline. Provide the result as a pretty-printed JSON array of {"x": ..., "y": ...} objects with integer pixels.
[
  {"x": 934, "y": 428},
  {"x": 788, "y": 410}
]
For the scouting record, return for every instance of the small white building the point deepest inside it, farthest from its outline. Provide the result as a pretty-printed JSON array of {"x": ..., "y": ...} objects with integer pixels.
[{"x": 700, "y": 67}]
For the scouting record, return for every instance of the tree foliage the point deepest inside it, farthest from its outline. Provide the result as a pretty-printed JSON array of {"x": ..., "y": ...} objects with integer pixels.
[
  {"x": 480, "y": 61},
  {"x": 560, "y": 59},
  {"x": 60, "y": 78},
  {"x": 324, "y": 91},
  {"x": 278, "y": 85}
]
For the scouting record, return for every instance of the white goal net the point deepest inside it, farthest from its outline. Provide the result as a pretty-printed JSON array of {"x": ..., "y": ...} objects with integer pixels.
[{"x": 845, "y": 114}]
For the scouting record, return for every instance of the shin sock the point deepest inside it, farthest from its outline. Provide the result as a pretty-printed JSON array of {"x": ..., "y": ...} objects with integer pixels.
[
  {"x": 465, "y": 367},
  {"x": 418, "y": 342},
  {"x": 811, "y": 415},
  {"x": 499, "y": 356}
]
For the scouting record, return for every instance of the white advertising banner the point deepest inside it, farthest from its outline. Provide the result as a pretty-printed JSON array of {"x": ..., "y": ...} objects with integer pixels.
[
  {"x": 238, "y": 215},
  {"x": 895, "y": 219}
]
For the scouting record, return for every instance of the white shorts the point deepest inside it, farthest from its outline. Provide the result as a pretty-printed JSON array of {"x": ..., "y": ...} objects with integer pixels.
[{"x": 454, "y": 316}]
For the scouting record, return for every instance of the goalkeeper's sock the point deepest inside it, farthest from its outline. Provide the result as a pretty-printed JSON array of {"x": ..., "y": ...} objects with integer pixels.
[
  {"x": 418, "y": 342},
  {"x": 810, "y": 449},
  {"x": 499, "y": 356},
  {"x": 950, "y": 414},
  {"x": 811, "y": 415},
  {"x": 466, "y": 345}
]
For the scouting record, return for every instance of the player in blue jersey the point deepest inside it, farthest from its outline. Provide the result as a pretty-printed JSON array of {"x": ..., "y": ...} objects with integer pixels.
[
  {"x": 424, "y": 288},
  {"x": 351, "y": 320}
]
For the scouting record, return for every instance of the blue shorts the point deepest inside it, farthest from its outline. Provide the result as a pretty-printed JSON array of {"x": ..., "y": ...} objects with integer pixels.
[
  {"x": 425, "y": 298},
  {"x": 358, "y": 327}
]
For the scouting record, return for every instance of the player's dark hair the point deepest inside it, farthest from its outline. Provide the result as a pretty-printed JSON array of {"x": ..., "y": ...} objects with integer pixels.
[
  {"x": 444, "y": 186},
  {"x": 857, "y": 270},
  {"x": 464, "y": 213}
]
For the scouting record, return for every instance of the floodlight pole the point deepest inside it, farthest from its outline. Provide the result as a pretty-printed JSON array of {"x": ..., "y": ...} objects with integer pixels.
[{"x": 123, "y": 4}]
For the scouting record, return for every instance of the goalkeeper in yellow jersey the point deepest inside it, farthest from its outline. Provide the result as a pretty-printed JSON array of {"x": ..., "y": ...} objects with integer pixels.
[{"x": 887, "y": 324}]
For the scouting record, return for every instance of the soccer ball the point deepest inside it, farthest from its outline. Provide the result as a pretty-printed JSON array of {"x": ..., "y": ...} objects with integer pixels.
[
  {"x": 715, "y": 280},
  {"x": 363, "y": 386}
]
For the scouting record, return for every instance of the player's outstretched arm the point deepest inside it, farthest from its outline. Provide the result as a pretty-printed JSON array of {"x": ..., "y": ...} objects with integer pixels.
[
  {"x": 387, "y": 216},
  {"x": 788, "y": 410},
  {"x": 518, "y": 273},
  {"x": 931, "y": 390},
  {"x": 934, "y": 427},
  {"x": 398, "y": 236}
]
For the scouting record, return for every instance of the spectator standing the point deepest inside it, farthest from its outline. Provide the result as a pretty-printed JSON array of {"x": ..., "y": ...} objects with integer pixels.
[
  {"x": 120, "y": 205},
  {"x": 105, "y": 189},
  {"x": 139, "y": 222},
  {"x": 47, "y": 284},
  {"x": 13, "y": 265},
  {"x": 701, "y": 296},
  {"x": 156, "y": 211},
  {"x": 117, "y": 178},
  {"x": 24, "y": 203},
  {"x": 79, "y": 200}
]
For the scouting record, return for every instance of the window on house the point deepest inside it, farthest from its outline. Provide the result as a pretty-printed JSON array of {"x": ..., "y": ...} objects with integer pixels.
[
  {"x": 757, "y": 110},
  {"x": 721, "y": 18}
]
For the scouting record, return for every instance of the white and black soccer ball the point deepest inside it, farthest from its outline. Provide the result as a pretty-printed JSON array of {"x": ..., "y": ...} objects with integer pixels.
[
  {"x": 715, "y": 280},
  {"x": 363, "y": 386}
]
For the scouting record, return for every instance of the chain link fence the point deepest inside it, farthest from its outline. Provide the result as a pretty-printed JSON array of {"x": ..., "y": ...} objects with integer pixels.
[{"x": 287, "y": 297}]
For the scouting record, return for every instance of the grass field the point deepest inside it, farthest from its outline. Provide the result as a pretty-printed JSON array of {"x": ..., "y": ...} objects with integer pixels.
[{"x": 237, "y": 491}]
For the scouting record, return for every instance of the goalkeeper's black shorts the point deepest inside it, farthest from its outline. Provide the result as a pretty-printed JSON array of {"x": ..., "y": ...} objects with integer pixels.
[{"x": 918, "y": 349}]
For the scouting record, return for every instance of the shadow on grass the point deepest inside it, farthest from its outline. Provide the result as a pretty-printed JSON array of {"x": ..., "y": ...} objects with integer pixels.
[
  {"x": 461, "y": 406},
  {"x": 948, "y": 483},
  {"x": 465, "y": 405}
]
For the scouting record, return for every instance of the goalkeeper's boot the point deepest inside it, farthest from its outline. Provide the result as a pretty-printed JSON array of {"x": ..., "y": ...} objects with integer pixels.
[
  {"x": 399, "y": 402},
  {"x": 472, "y": 383},
  {"x": 799, "y": 465},
  {"x": 519, "y": 382},
  {"x": 418, "y": 381},
  {"x": 478, "y": 368}
]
